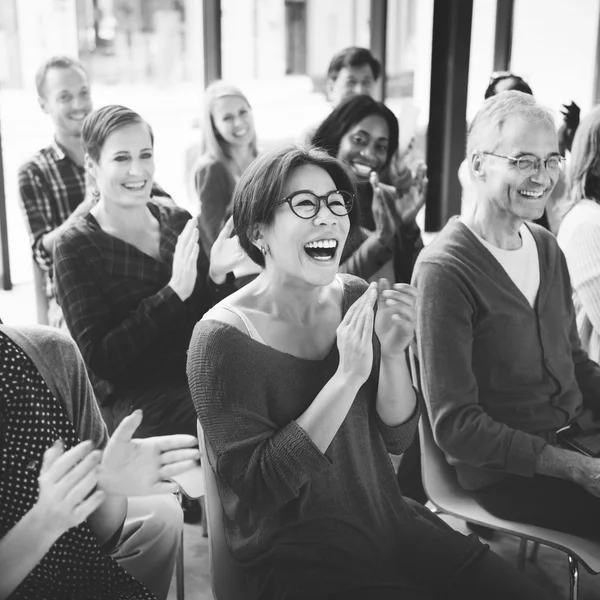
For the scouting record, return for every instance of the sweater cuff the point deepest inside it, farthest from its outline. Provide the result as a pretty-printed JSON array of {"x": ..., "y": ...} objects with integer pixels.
[
  {"x": 523, "y": 453},
  {"x": 298, "y": 453},
  {"x": 397, "y": 439}
]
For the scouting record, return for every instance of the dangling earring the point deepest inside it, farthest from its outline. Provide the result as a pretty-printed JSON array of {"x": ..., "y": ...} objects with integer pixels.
[
  {"x": 95, "y": 193},
  {"x": 263, "y": 250}
]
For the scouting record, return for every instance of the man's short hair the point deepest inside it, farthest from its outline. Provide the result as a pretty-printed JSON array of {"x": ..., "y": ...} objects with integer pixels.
[
  {"x": 56, "y": 62},
  {"x": 486, "y": 128},
  {"x": 353, "y": 57},
  {"x": 518, "y": 84},
  {"x": 259, "y": 189}
]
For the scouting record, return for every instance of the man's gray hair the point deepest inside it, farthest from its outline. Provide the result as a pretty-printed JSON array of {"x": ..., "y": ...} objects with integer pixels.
[{"x": 486, "y": 128}]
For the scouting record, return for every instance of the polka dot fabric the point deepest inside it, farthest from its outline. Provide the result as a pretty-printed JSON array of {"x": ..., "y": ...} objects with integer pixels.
[{"x": 31, "y": 420}]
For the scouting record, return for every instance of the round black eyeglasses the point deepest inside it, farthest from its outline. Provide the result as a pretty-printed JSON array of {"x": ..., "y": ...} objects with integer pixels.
[{"x": 306, "y": 204}]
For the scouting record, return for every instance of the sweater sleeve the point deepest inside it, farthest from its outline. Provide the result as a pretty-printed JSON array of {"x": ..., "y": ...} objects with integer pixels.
[
  {"x": 34, "y": 202},
  {"x": 264, "y": 464},
  {"x": 108, "y": 347},
  {"x": 461, "y": 426},
  {"x": 60, "y": 363},
  {"x": 398, "y": 439},
  {"x": 214, "y": 193}
]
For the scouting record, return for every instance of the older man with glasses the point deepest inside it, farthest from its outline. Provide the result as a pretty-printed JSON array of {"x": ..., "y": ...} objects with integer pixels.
[{"x": 501, "y": 362}]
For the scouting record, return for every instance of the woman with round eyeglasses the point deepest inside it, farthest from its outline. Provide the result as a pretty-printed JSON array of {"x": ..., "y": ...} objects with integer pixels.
[
  {"x": 364, "y": 134},
  {"x": 301, "y": 387}
]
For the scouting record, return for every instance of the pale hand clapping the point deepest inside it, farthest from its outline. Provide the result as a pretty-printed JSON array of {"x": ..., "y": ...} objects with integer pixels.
[
  {"x": 141, "y": 466},
  {"x": 396, "y": 317}
]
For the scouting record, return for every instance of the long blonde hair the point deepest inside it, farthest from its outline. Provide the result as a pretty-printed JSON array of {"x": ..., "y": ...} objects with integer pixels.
[
  {"x": 584, "y": 168},
  {"x": 212, "y": 142}
]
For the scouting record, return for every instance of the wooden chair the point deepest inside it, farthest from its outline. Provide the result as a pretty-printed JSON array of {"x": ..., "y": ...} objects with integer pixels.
[{"x": 448, "y": 497}]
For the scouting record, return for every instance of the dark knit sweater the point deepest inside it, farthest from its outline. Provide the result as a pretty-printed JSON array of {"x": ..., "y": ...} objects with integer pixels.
[
  {"x": 499, "y": 377},
  {"x": 298, "y": 520}
]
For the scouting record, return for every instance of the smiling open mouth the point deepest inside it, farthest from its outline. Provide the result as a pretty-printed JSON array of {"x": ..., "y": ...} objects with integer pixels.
[{"x": 321, "y": 249}]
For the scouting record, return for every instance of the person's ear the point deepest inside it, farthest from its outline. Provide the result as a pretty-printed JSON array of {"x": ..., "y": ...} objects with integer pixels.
[
  {"x": 258, "y": 239},
  {"x": 43, "y": 104},
  {"x": 329, "y": 85},
  {"x": 477, "y": 164},
  {"x": 90, "y": 166}
]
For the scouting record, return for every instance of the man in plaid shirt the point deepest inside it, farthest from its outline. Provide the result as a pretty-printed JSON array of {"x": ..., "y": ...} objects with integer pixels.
[{"x": 52, "y": 184}]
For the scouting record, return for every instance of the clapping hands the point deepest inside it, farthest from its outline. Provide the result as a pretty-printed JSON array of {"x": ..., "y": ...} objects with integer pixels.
[{"x": 138, "y": 467}]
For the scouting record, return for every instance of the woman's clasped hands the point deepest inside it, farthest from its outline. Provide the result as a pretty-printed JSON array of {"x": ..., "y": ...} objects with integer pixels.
[{"x": 394, "y": 324}]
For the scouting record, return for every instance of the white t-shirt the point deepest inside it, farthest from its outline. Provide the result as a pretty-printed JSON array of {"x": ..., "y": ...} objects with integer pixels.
[{"x": 522, "y": 264}]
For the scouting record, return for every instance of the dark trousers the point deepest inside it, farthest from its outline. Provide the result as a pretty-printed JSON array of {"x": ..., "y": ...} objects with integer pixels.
[
  {"x": 545, "y": 501},
  {"x": 167, "y": 408}
]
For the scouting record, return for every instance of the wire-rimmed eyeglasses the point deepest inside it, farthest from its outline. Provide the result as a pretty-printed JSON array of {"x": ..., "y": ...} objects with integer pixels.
[
  {"x": 529, "y": 164},
  {"x": 306, "y": 204}
]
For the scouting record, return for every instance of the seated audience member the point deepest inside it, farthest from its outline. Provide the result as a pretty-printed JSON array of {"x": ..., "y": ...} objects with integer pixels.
[
  {"x": 53, "y": 187},
  {"x": 364, "y": 134},
  {"x": 300, "y": 403},
  {"x": 229, "y": 146},
  {"x": 352, "y": 71},
  {"x": 76, "y": 519},
  {"x": 132, "y": 280},
  {"x": 579, "y": 232},
  {"x": 501, "y": 362}
]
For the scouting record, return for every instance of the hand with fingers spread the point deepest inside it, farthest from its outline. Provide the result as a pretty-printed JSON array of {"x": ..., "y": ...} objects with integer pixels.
[
  {"x": 396, "y": 317},
  {"x": 410, "y": 203},
  {"x": 67, "y": 482},
  {"x": 185, "y": 269},
  {"x": 355, "y": 337},
  {"x": 227, "y": 255},
  {"x": 385, "y": 225},
  {"x": 139, "y": 467}
]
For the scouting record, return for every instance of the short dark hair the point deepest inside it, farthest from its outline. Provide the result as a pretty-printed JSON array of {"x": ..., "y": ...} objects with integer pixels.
[
  {"x": 99, "y": 124},
  {"x": 519, "y": 85},
  {"x": 353, "y": 57},
  {"x": 350, "y": 112},
  {"x": 55, "y": 62},
  {"x": 261, "y": 186}
]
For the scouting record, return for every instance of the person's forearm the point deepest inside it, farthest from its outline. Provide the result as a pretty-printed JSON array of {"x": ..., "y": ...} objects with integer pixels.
[
  {"x": 108, "y": 517},
  {"x": 22, "y": 548},
  {"x": 322, "y": 419},
  {"x": 396, "y": 398},
  {"x": 49, "y": 239},
  {"x": 563, "y": 464}
]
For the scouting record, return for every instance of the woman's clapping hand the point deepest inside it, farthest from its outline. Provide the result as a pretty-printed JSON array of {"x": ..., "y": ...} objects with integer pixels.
[
  {"x": 67, "y": 482},
  {"x": 355, "y": 337},
  {"x": 396, "y": 317},
  {"x": 185, "y": 257}
]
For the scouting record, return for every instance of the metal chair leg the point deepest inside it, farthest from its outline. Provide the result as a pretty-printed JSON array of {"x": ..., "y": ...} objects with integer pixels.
[
  {"x": 522, "y": 555},
  {"x": 573, "y": 577},
  {"x": 534, "y": 553},
  {"x": 179, "y": 567}
]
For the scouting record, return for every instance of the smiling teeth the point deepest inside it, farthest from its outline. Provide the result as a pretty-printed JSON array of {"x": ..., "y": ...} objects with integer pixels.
[
  {"x": 532, "y": 194},
  {"x": 134, "y": 186},
  {"x": 322, "y": 244},
  {"x": 362, "y": 169}
]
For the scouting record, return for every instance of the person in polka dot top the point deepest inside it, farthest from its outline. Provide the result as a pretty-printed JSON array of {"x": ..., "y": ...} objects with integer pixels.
[{"x": 81, "y": 515}]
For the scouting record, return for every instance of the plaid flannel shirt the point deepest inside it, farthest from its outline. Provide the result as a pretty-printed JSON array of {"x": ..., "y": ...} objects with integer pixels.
[{"x": 51, "y": 186}]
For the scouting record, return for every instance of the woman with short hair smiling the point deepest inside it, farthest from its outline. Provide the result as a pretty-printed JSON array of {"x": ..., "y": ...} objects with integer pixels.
[{"x": 301, "y": 386}]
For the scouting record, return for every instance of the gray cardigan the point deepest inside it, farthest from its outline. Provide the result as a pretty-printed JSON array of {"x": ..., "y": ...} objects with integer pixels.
[{"x": 499, "y": 377}]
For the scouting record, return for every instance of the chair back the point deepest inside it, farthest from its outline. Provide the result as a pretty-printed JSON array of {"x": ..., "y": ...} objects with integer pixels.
[
  {"x": 439, "y": 478},
  {"x": 228, "y": 580}
]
